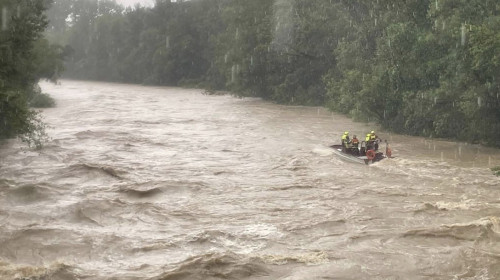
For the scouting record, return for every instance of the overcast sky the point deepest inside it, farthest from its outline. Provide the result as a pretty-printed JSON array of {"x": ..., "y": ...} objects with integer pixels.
[{"x": 133, "y": 2}]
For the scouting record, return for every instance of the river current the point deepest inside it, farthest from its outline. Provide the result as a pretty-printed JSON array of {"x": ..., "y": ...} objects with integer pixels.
[{"x": 168, "y": 183}]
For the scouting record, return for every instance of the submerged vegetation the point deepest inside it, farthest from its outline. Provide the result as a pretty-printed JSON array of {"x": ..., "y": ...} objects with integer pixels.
[
  {"x": 496, "y": 170},
  {"x": 26, "y": 57},
  {"x": 418, "y": 67},
  {"x": 40, "y": 99}
]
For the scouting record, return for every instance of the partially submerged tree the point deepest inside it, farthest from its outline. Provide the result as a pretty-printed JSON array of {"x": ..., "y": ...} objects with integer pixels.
[{"x": 25, "y": 58}]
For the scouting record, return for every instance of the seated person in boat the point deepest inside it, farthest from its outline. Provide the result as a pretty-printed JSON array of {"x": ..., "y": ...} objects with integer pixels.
[{"x": 354, "y": 146}]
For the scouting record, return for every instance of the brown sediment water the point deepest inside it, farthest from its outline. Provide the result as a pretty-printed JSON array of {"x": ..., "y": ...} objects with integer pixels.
[{"x": 167, "y": 183}]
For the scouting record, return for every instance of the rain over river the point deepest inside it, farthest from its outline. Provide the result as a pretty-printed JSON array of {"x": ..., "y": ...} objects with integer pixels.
[{"x": 167, "y": 183}]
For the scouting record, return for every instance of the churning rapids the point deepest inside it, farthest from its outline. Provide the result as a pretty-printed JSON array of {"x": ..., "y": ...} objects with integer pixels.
[{"x": 167, "y": 183}]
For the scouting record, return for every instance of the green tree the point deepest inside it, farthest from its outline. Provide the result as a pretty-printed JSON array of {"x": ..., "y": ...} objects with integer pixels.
[
  {"x": 24, "y": 60},
  {"x": 416, "y": 67}
]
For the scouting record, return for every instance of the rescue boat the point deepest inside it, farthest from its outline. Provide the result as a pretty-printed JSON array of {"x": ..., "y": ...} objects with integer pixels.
[{"x": 359, "y": 155}]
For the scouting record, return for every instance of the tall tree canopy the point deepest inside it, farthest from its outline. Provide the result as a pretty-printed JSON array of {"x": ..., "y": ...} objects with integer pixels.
[
  {"x": 25, "y": 57},
  {"x": 420, "y": 67}
]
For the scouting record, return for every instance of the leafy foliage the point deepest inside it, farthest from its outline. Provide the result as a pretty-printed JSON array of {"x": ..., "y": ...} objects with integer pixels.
[
  {"x": 496, "y": 170},
  {"x": 41, "y": 100},
  {"x": 25, "y": 58},
  {"x": 417, "y": 67}
]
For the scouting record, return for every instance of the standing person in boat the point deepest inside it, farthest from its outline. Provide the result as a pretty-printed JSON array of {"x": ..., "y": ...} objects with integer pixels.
[
  {"x": 345, "y": 141},
  {"x": 374, "y": 139},
  {"x": 368, "y": 142}
]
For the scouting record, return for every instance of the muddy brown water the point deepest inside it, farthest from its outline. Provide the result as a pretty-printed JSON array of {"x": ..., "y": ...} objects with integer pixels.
[{"x": 167, "y": 183}]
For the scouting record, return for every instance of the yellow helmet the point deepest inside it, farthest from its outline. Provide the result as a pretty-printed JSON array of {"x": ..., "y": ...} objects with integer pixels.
[
  {"x": 373, "y": 131},
  {"x": 347, "y": 132}
]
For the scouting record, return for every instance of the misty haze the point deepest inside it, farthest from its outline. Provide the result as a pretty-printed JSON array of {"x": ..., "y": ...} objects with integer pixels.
[{"x": 230, "y": 139}]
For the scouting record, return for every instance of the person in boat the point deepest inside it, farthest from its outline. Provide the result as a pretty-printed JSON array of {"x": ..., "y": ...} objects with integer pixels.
[
  {"x": 368, "y": 142},
  {"x": 355, "y": 145},
  {"x": 355, "y": 142},
  {"x": 345, "y": 141},
  {"x": 374, "y": 139}
]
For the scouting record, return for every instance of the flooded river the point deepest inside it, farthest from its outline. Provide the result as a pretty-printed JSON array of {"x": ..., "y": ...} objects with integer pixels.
[{"x": 167, "y": 183}]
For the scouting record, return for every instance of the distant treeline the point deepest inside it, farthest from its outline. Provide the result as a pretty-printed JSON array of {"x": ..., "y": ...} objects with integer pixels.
[{"x": 418, "y": 67}]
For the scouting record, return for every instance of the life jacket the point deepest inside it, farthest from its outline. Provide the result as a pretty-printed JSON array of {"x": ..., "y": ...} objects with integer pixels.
[
  {"x": 368, "y": 137},
  {"x": 355, "y": 142},
  {"x": 373, "y": 136}
]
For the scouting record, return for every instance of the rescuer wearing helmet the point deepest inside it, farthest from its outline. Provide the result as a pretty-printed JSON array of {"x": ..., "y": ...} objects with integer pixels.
[
  {"x": 368, "y": 142},
  {"x": 374, "y": 139},
  {"x": 345, "y": 141}
]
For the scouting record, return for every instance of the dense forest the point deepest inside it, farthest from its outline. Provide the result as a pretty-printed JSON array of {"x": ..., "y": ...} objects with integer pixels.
[
  {"x": 418, "y": 67},
  {"x": 25, "y": 58}
]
